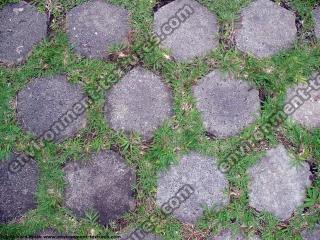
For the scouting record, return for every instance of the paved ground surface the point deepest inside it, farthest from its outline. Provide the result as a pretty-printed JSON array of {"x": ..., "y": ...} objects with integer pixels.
[
  {"x": 22, "y": 27},
  {"x": 126, "y": 133}
]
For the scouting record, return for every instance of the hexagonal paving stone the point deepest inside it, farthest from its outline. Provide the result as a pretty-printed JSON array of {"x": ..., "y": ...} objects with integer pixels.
[
  {"x": 21, "y": 28},
  {"x": 227, "y": 105},
  {"x": 303, "y": 103},
  {"x": 276, "y": 185},
  {"x": 265, "y": 29},
  {"x": 51, "y": 108},
  {"x": 95, "y": 26},
  {"x": 206, "y": 187},
  {"x": 313, "y": 234},
  {"x": 139, "y": 234},
  {"x": 187, "y": 29},
  {"x": 229, "y": 235},
  {"x": 18, "y": 183},
  {"x": 139, "y": 103},
  {"x": 316, "y": 14},
  {"x": 49, "y": 234},
  {"x": 103, "y": 184}
]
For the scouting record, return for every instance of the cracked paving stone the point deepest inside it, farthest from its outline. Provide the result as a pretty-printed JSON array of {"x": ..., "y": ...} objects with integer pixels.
[
  {"x": 140, "y": 102},
  {"x": 303, "y": 103},
  {"x": 18, "y": 184},
  {"x": 226, "y": 105},
  {"x": 276, "y": 185},
  {"x": 96, "y": 26},
  {"x": 265, "y": 28},
  {"x": 52, "y": 108},
  {"x": 187, "y": 29},
  {"x": 207, "y": 186},
  {"x": 21, "y": 28},
  {"x": 103, "y": 184},
  {"x": 316, "y": 14}
]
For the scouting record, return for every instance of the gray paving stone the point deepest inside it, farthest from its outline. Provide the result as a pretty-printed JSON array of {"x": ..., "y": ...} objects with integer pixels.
[
  {"x": 103, "y": 184},
  {"x": 316, "y": 14},
  {"x": 229, "y": 235},
  {"x": 208, "y": 183},
  {"x": 17, "y": 188},
  {"x": 305, "y": 104},
  {"x": 139, "y": 235},
  {"x": 51, "y": 108},
  {"x": 313, "y": 234},
  {"x": 187, "y": 29},
  {"x": 95, "y": 26},
  {"x": 139, "y": 103},
  {"x": 21, "y": 28},
  {"x": 226, "y": 105},
  {"x": 276, "y": 185},
  {"x": 49, "y": 234},
  {"x": 265, "y": 29}
]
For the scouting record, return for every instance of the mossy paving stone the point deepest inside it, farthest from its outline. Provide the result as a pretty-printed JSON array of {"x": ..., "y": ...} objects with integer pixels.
[
  {"x": 226, "y": 105},
  {"x": 265, "y": 28},
  {"x": 276, "y": 185},
  {"x": 103, "y": 184},
  {"x": 187, "y": 29},
  {"x": 208, "y": 183},
  {"x": 227, "y": 234},
  {"x": 140, "y": 102},
  {"x": 95, "y": 26},
  {"x": 304, "y": 100},
  {"x": 21, "y": 28},
  {"x": 51, "y": 108},
  {"x": 316, "y": 14},
  {"x": 17, "y": 186}
]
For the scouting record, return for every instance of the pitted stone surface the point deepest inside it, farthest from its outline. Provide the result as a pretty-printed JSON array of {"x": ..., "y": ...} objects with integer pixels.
[
  {"x": 95, "y": 26},
  {"x": 276, "y": 186},
  {"x": 316, "y": 14},
  {"x": 139, "y": 234},
  {"x": 51, "y": 108},
  {"x": 208, "y": 183},
  {"x": 265, "y": 29},
  {"x": 17, "y": 186},
  {"x": 103, "y": 184},
  {"x": 313, "y": 234},
  {"x": 304, "y": 100},
  {"x": 139, "y": 103},
  {"x": 187, "y": 29},
  {"x": 227, "y": 105},
  {"x": 229, "y": 235},
  {"x": 49, "y": 234},
  {"x": 21, "y": 28}
]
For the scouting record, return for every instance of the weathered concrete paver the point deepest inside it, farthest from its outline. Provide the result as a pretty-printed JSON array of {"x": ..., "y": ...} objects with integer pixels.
[
  {"x": 51, "y": 108},
  {"x": 311, "y": 234},
  {"x": 139, "y": 234},
  {"x": 229, "y": 235},
  {"x": 95, "y": 26},
  {"x": 305, "y": 103},
  {"x": 21, "y": 28},
  {"x": 208, "y": 183},
  {"x": 17, "y": 188},
  {"x": 103, "y": 184},
  {"x": 316, "y": 14},
  {"x": 187, "y": 29},
  {"x": 139, "y": 103},
  {"x": 265, "y": 29},
  {"x": 276, "y": 186},
  {"x": 226, "y": 105}
]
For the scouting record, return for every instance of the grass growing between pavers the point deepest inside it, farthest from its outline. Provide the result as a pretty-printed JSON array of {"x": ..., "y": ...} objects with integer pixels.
[{"x": 184, "y": 132}]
